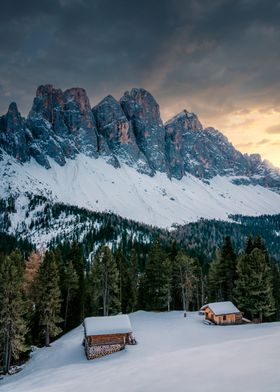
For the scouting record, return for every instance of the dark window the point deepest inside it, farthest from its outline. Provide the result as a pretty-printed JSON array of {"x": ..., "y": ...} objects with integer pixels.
[{"x": 224, "y": 318}]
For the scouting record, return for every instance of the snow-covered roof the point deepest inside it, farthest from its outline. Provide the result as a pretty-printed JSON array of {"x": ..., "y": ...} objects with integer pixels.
[
  {"x": 107, "y": 325},
  {"x": 220, "y": 308}
]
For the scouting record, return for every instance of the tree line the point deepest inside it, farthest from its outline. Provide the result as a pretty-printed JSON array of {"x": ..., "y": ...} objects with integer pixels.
[{"x": 44, "y": 296}]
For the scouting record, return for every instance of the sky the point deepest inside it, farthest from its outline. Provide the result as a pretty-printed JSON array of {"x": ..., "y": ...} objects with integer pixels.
[{"x": 217, "y": 58}]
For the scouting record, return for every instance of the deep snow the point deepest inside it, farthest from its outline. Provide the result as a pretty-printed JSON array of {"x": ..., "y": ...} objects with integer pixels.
[
  {"x": 173, "y": 354},
  {"x": 94, "y": 184}
]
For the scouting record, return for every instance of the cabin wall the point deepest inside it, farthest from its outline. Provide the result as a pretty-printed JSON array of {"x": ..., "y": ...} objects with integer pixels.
[
  {"x": 119, "y": 338},
  {"x": 227, "y": 319},
  {"x": 209, "y": 315}
]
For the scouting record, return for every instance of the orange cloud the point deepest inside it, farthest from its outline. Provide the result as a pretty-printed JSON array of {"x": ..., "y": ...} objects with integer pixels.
[{"x": 273, "y": 129}]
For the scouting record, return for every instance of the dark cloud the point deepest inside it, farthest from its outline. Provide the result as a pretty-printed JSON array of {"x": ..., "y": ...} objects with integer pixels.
[
  {"x": 216, "y": 56},
  {"x": 273, "y": 129}
]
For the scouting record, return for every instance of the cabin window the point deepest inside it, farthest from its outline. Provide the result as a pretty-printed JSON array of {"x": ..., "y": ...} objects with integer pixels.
[{"x": 224, "y": 317}]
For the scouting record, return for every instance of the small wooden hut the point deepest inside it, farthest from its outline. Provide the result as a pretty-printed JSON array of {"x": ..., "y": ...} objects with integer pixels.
[
  {"x": 105, "y": 335},
  {"x": 222, "y": 313}
]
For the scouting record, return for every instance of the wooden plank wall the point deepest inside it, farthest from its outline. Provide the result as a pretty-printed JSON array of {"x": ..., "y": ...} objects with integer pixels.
[{"x": 119, "y": 338}]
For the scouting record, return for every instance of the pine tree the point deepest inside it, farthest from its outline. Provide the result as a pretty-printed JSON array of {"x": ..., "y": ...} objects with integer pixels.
[
  {"x": 222, "y": 273},
  {"x": 253, "y": 287},
  {"x": 30, "y": 274},
  {"x": 275, "y": 268},
  {"x": 104, "y": 282},
  {"x": 167, "y": 278},
  {"x": 156, "y": 279},
  {"x": 12, "y": 323},
  {"x": 141, "y": 297},
  {"x": 133, "y": 270},
  {"x": 48, "y": 301},
  {"x": 70, "y": 284},
  {"x": 214, "y": 280},
  {"x": 76, "y": 307},
  {"x": 176, "y": 298},
  {"x": 259, "y": 244},
  {"x": 128, "y": 280},
  {"x": 187, "y": 278},
  {"x": 122, "y": 269},
  {"x": 249, "y": 245}
]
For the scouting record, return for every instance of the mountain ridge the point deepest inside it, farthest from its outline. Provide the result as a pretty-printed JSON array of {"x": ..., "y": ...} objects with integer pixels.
[{"x": 62, "y": 125}]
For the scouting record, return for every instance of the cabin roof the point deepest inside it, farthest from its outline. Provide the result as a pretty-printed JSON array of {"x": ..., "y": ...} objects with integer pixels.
[
  {"x": 220, "y": 308},
  {"x": 107, "y": 325}
]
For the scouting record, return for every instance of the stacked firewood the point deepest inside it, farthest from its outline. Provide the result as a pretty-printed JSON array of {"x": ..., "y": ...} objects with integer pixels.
[{"x": 99, "y": 351}]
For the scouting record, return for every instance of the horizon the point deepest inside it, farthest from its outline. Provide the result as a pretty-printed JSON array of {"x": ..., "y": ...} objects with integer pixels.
[{"x": 219, "y": 59}]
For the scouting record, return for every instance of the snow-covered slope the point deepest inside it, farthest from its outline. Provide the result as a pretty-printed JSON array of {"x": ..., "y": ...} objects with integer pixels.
[
  {"x": 186, "y": 355},
  {"x": 96, "y": 185}
]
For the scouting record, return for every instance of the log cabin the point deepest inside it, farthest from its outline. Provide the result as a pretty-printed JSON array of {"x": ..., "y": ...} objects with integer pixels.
[
  {"x": 106, "y": 335},
  {"x": 222, "y": 313}
]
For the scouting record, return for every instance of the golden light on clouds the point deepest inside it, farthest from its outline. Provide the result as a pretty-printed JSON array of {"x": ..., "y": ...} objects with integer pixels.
[{"x": 256, "y": 132}]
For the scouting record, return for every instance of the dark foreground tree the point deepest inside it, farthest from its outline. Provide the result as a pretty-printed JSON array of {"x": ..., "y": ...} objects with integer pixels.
[
  {"x": 48, "y": 301},
  {"x": 157, "y": 279},
  {"x": 70, "y": 285},
  {"x": 104, "y": 282},
  {"x": 253, "y": 287},
  {"x": 77, "y": 299},
  {"x": 12, "y": 324},
  {"x": 188, "y": 280},
  {"x": 127, "y": 280},
  {"x": 222, "y": 273}
]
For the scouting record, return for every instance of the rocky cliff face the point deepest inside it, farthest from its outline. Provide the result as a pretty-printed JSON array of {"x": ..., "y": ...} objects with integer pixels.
[
  {"x": 62, "y": 124},
  {"x": 179, "y": 132},
  {"x": 142, "y": 111},
  {"x": 116, "y": 129},
  {"x": 201, "y": 152}
]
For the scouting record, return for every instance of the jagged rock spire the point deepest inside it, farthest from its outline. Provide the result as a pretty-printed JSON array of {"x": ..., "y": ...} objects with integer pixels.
[
  {"x": 13, "y": 135},
  {"x": 117, "y": 130},
  {"x": 143, "y": 112}
]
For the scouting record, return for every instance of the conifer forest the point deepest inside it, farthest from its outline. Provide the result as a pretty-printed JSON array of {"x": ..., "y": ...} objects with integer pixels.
[{"x": 44, "y": 295}]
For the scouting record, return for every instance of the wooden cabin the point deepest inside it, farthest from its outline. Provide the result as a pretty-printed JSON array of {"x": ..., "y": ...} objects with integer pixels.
[
  {"x": 222, "y": 313},
  {"x": 105, "y": 335}
]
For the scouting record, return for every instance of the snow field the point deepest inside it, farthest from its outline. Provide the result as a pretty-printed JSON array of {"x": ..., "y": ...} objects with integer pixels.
[
  {"x": 159, "y": 201},
  {"x": 173, "y": 354}
]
